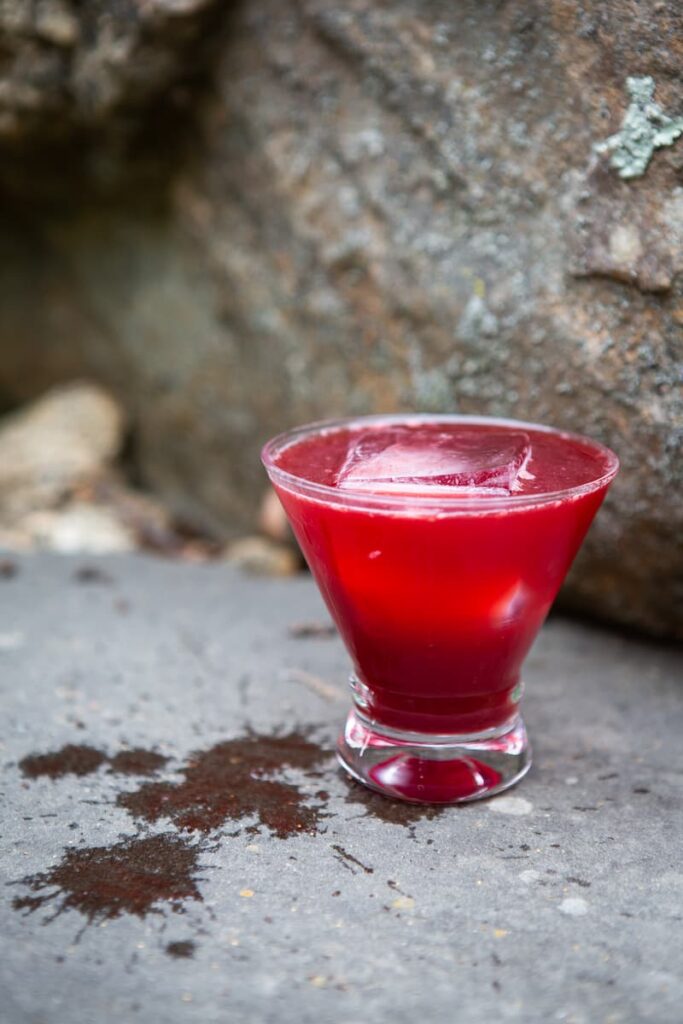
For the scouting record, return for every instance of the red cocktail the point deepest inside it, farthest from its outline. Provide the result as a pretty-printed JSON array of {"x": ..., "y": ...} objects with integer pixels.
[{"x": 439, "y": 544}]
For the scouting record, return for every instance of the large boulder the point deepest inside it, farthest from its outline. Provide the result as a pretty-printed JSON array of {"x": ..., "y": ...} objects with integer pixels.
[{"x": 472, "y": 207}]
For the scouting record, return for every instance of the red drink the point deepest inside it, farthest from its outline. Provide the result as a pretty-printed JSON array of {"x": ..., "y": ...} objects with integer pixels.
[{"x": 439, "y": 544}]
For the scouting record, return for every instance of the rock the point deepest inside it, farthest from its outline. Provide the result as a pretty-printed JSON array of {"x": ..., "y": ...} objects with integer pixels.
[
  {"x": 398, "y": 206},
  {"x": 78, "y": 528},
  {"x": 72, "y": 67},
  {"x": 59, "y": 489},
  {"x": 263, "y": 557},
  {"x": 273, "y": 520},
  {"x": 61, "y": 442}
]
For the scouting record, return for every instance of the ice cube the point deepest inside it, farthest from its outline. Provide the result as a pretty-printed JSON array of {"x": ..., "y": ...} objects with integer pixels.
[{"x": 415, "y": 459}]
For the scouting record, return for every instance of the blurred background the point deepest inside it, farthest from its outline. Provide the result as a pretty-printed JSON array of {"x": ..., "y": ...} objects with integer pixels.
[{"x": 218, "y": 220}]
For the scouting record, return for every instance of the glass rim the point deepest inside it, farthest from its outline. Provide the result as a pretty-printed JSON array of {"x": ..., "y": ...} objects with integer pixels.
[{"x": 460, "y": 503}]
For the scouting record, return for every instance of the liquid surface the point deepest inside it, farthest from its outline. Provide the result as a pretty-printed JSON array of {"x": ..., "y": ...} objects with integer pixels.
[
  {"x": 439, "y": 610},
  {"x": 435, "y": 458}
]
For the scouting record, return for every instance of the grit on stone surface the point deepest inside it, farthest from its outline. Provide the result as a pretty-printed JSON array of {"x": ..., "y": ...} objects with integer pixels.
[{"x": 560, "y": 901}]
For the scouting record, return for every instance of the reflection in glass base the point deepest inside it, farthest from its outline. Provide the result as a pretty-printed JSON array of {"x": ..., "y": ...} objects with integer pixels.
[{"x": 434, "y": 769}]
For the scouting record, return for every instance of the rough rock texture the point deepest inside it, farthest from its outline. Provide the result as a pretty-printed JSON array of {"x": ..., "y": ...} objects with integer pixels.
[
  {"x": 395, "y": 205},
  {"x": 70, "y": 64}
]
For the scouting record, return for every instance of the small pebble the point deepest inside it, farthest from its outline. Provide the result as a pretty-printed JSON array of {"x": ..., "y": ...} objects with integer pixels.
[
  {"x": 514, "y": 805},
  {"x": 529, "y": 876},
  {"x": 574, "y": 906},
  {"x": 12, "y": 641}
]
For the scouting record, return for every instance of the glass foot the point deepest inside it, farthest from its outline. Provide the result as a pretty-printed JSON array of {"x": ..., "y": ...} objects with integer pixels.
[{"x": 434, "y": 769}]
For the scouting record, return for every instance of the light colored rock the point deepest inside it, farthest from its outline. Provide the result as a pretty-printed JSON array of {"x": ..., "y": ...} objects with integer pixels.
[
  {"x": 55, "y": 445},
  {"x": 516, "y": 806},
  {"x": 78, "y": 528},
  {"x": 263, "y": 557},
  {"x": 273, "y": 520},
  {"x": 574, "y": 906}
]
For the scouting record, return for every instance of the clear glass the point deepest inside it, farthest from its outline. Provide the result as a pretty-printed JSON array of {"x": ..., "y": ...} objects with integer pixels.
[{"x": 438, "y": 593}]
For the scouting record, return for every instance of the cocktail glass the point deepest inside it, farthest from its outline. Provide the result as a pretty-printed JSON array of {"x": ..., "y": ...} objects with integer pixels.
[{"x": 438, "y": 584}]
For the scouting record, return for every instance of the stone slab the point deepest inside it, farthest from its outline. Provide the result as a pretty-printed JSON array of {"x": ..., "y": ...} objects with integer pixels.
[{"x": 558, "y": 902}]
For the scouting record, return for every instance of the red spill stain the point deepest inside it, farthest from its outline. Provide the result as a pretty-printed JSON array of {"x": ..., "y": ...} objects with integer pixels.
[
  {"x": 392, "y": 811},
  {"x": 82, "y": 759},
  {"x": 137, "y": 761},
  {"x": 233, "y": 780},
  {"x": 130, "y": 877},
  {"x": 69, "y": 760}
]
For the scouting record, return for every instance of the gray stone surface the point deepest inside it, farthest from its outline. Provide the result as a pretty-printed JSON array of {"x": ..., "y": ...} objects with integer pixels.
[{"x": 560, "y": 902}]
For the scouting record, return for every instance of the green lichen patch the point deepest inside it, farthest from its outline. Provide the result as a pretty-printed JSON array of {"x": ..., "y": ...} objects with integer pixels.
[{"x": 644, "y": 129}]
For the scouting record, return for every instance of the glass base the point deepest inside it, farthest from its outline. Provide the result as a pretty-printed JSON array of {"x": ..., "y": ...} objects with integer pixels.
[{"x": 430, "y": 769}]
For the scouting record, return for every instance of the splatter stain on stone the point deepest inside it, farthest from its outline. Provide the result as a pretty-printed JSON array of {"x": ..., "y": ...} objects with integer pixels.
[
  {"x": 132, "y": 877},
  {"x": 92, "y": 574},
  {"x": 81, "y": 759},
  {"x": 392, "y": 811},
  {"x": 308, "y": 630},
  {"x": 71, "y": 759},
  {"x": 349, "y": 861},
  {"x": 183, "y": 950},
  {"x": 137, "y": 761},
  {"x": 231, "y": 781}
]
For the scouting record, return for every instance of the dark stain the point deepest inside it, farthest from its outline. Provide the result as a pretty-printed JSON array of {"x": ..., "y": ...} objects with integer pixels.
[
  {"x": 397, "y": 888},
  {"x": 82, "y": 759},
  {"x": 181, "y": 950},
  {"x": 392, "y": 811},
  {"x": 69, "y": 760},
  {"x": 8, "y": 569},
  {"x": 137, "y": 761},
  {"x": 641, "y": 789},
  {"x": 92, "y": 574},
  {"x": 588, "y": 807},
  {"x": 129, "y": 877},
  {"x": 230, "y": 781},
  {"x": 348, "y": 860},
  {"x": 309, "y": 630},
  {"x": 579, "y": 881}
]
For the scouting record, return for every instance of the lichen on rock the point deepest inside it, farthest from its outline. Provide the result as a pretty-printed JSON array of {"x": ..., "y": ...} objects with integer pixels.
[{"x": 644, "y": 129}]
